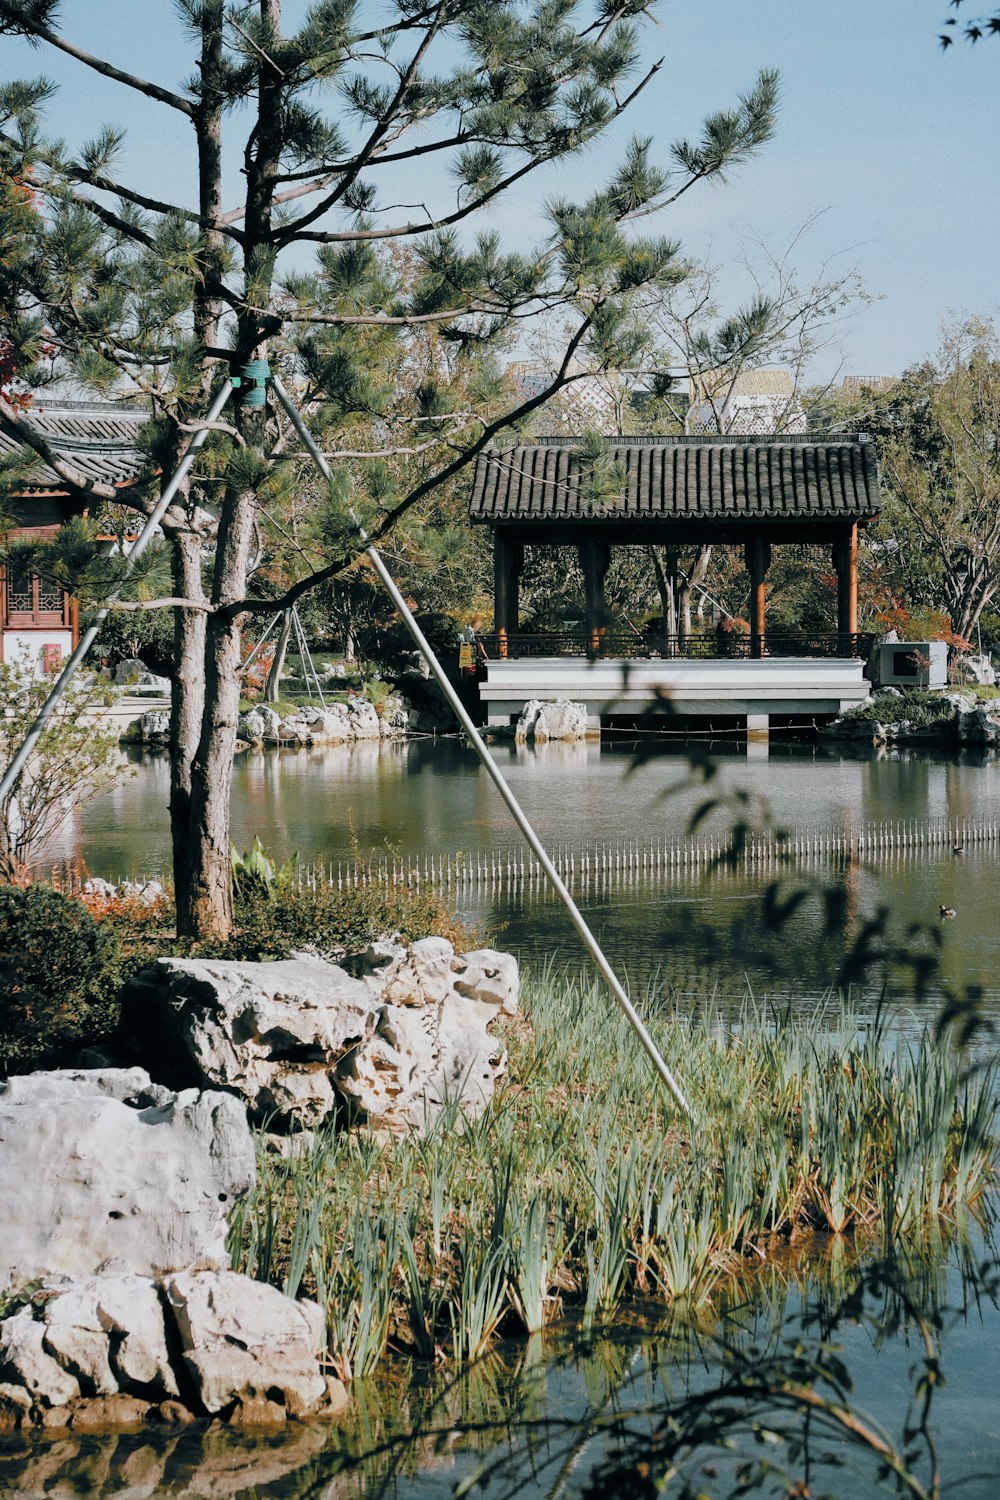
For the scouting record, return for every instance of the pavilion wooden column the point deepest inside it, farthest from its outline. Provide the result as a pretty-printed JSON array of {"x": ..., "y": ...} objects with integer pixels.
[
  {"x": 845, "y": 561},
  {"x": 595, "y": 559},
  {"x": 508, "y": 560},
  {"x": 757, "y": 555}
]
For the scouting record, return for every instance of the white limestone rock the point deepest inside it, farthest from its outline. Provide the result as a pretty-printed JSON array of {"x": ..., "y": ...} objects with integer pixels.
[
  {"x": 24, "y": 1361},
  {"x": 242, "y": 1339},
  {"x": 404, "y": 1034},
  {"x": 134, "y": 673},
  {"x": 270, "y": 1032},
  {"x": 972, "y": 668},
  {"x": 125, "y": 1176},
  {"x": 543, "y": 721},
  {"x": 364, "y": 721},
  {"x": 109, "y": 1331},
  {"x": 153, "y": 727}
]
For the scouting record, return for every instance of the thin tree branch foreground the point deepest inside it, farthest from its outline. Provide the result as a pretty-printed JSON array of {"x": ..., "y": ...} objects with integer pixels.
[{"x": 388, "y": 337}]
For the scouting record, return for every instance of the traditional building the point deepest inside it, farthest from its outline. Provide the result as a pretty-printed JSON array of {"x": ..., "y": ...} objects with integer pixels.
[
  {"x": 755, "y": 493},
  {"x": 39, "y": 622}
]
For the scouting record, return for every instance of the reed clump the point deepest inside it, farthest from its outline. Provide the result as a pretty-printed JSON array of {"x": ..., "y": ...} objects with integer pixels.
[{"x": 581, "y": 1185}]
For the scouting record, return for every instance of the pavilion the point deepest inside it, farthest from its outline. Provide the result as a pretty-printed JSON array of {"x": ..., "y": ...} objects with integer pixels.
[{"x": 753, "y": 492}]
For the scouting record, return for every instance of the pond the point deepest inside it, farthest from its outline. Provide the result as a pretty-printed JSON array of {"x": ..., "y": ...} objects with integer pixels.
[
  {"x": 542, "y": 1418},
  {"x": 692, "y": 933},
  {"x": 574, "y": 1414}
]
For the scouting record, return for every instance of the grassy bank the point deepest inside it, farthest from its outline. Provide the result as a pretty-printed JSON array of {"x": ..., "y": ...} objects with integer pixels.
[{"x": 580, "y": 1186}]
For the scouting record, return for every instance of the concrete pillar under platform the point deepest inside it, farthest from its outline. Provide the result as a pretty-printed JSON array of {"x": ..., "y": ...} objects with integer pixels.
[{"x": 758, "y": 726}]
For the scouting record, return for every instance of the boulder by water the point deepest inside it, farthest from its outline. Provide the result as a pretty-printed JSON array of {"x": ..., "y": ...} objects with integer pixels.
[
  {"x": 106, "y": 1172},
  {"x": 121, "y": 1306},
  {"x": 399, "y": 1035},
  {"x": 108, "y": 1352},
  {"x": 542, "y": 721}
]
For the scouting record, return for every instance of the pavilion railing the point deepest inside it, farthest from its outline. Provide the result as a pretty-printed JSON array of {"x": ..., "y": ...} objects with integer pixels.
[{"x": 717, "y": 645}]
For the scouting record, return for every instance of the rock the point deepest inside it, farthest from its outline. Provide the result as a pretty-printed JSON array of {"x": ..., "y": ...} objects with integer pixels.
[
  {"x": 542, "y": 721},
  {"x": 15, "y": 1408},
  {"x": 24, "y": 1361},
  {"x": 395, "y": 716},
  {"x": 270, "y": 1032},
  {"x": 125, "y": 1176},
  {"x": 172, "y": 1414},
  {"x": 337, "y": 1399},
  {"x": 969, "y": 668},
  {"x": 110, "y": 1331},
  {"x": 115, "y": 1413},
  {"x": 152, "y": 728},
  {"x": 401, "y": 1035},
  {"x": 134, "y": 673},
  {"x": 364, "y": 721},
  {"x": 979, "y": 727},
  {"x": 887, "y": 692},
  {"x": 147, "y": 892},
  {"x": 241, "y": 1339},
  {"x": 251, "y": 727},
  {"x": 257, "y": 1411},
  {"x": 431, "y": 1047}
]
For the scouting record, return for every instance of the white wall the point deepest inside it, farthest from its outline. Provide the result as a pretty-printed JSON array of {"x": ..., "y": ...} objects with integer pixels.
[{"x": 25, "y": 649}]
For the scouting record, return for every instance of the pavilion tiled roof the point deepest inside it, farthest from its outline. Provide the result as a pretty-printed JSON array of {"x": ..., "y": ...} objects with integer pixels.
[
  {"x": 790, "y": 478},
  {"x": 101, "y": 440}
]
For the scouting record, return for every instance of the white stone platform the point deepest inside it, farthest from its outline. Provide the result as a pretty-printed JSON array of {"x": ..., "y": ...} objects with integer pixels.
[{"x": 698, "y": 688}]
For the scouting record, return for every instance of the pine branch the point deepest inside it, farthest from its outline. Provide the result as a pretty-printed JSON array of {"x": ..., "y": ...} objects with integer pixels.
[
  {"x": 28, "y": 27},
  {"x": 441, "y": 477},
  {"x": 293, "y": 231}
]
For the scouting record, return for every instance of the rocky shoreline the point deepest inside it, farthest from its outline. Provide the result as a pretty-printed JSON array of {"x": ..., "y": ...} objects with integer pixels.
[
  {"x": 964, "y": 723},
  {"x": 122, "y": 1310}
]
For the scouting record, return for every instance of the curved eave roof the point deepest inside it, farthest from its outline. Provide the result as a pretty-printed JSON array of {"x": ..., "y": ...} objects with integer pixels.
[
  {"x": 103, "y": 443},
  {"x": 784, "y": 479}
]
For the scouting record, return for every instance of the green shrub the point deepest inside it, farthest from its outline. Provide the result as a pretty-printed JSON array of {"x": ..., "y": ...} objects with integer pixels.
[
  {"x": 916, "y": 707},
  {"x": 59, "y": 973},
  {"x": 274, "y": 920}
]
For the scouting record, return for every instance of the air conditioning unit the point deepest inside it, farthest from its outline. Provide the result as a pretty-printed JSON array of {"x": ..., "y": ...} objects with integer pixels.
[{"x": 922, "y": 664}]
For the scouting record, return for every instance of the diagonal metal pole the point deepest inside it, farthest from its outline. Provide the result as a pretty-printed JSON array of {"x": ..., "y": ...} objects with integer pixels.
[
  {"x": 493, "y": 771},
  {"x": 13, "y": 771}
]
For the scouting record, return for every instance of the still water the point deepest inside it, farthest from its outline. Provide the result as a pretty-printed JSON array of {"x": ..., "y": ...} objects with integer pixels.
[
  {"x": 693, "y": 934},
  {"x": 541, "y": 1419}
]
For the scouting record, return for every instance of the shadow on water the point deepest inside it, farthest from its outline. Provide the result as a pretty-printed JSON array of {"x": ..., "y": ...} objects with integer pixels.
[{"x": 761, "y": 1399}]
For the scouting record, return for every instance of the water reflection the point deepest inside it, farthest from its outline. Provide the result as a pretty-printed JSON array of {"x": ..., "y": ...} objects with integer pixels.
[
  {"x": 573, "y": 1415},
  {"x": 692, "y": 935}
]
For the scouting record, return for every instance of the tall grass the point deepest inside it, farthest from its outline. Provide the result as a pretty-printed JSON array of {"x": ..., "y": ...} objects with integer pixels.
[{"x": 580, "y": 1185}]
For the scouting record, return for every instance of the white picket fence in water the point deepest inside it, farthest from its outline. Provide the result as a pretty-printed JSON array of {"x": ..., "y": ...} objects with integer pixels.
[{"x": 664, "y": 858}]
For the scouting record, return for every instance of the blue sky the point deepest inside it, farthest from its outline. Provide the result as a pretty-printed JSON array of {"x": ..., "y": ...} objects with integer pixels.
[{"x": 896, "y": 141}]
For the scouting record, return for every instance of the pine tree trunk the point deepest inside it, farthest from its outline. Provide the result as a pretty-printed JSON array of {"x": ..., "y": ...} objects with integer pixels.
[
  {"x": 187, "y": 702},
  {"x": 272, "y": 687},
  {"x": 203, "y": 874}
]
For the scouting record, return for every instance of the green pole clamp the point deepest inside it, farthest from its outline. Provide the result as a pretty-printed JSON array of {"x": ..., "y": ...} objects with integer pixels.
[{"x": 251, "y": 382}]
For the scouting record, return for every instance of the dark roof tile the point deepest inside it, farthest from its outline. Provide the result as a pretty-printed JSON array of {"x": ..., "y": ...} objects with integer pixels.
[{"x": 781, "y": 479}]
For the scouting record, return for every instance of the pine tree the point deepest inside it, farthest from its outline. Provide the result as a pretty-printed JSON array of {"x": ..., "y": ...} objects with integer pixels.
[{"x": 144, "y": 295}]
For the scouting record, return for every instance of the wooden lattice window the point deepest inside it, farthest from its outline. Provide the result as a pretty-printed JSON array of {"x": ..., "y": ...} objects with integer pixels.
[{"x": 32, "y": 600}]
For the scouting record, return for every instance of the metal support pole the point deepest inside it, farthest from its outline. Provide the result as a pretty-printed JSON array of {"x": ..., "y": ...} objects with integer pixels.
[
  {"x": 142, "y": 541},
  {"x": 260, "y": 644},
  {"x": 309, "y": 671},
  {"x": 493, "y": 771}
]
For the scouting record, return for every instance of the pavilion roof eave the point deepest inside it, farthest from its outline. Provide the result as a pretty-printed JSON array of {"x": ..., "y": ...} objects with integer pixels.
[{"x": 801, "y": 481}]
